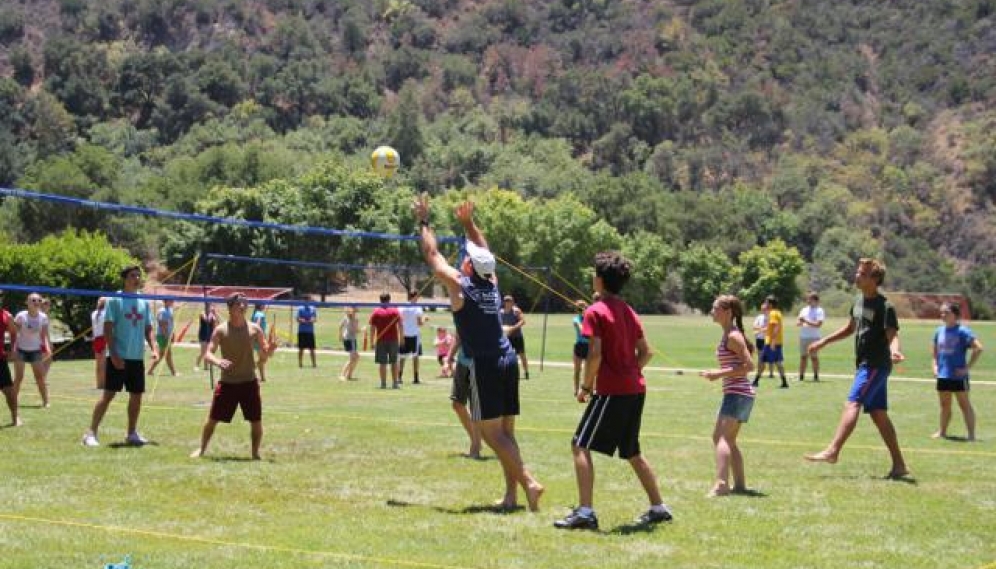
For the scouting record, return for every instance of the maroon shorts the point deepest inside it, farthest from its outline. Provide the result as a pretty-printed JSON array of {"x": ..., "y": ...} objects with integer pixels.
[
  {"x": 99, "y": 345},
  {"x": 229, "y": 396}
]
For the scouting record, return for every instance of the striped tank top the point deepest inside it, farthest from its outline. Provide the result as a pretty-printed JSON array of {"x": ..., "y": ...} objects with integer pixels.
[{"x": 728, "y": 359}]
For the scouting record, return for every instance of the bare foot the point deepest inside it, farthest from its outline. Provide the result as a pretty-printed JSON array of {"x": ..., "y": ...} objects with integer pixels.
[
  {"x": 256, "y": 457},
  {"x": 533, "y": 494},
  {"x": 939, "y": 435},
  {"x": 720, "y": 489},
  {"x": 505, "y": 505},
  {"x": 197, "y": 454},
  {"x": 970, "y": 438},
  {"x": 17, "y": 422},
  {"x": 824, "y": 456}
]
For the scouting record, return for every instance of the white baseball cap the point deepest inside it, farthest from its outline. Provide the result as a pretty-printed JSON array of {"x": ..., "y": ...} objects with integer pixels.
[{"x": 482, "y": 259}]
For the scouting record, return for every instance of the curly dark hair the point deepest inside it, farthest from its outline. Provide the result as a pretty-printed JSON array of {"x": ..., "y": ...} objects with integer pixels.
[{"x": 613, "y": 269}]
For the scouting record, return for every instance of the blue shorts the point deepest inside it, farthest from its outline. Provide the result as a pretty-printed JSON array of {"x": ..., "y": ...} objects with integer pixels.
[
  {"x": 349, "y": 345},
  {"x": 870, "y": 388},
  {"x": 736, "y": 406},
  {"x": 772, "y": 355}
]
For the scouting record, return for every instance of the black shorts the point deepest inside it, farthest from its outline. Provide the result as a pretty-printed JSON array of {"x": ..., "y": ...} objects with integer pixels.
[
  {"x": 306, "y": 340},
  {"x": 581, "y": 350},
  {"x": 518, "y": 343},
  {"x": 131, "y": 378},
  {"x": 611, "y": 423},
  {"x": 460, "y": 391},
  {"x": 759, "y": 342},
  {"x": 953, "y": 385},
  {"x": 411, "y": 346},
  {"x": 5, "y": 379},
  {"x": 386, "y": 353},
  {"x": 494, "y": 387},
  {"x": 349, "y": 345}
]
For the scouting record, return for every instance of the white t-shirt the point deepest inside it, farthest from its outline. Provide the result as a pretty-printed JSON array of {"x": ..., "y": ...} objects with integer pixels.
[
  {"x": 29, "y": 329},
  {"x": 97, "y": 323},
  {"x": 410, "y": 315},
  {"x": 760, "y": 324},
  {"x": 813, "y": 315}
]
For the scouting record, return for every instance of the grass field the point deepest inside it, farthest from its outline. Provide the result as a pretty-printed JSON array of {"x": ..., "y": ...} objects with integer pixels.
[{"x": 354, "y": 476}]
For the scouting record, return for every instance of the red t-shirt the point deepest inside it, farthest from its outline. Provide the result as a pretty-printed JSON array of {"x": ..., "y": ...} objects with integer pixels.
[
  {"x": 619, "y": 328},
  {"x": 5, "y": 321},
  {"x": 385, "y": 322}
]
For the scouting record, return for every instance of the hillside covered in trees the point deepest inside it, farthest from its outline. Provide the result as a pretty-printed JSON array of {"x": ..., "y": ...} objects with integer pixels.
[{"x": 716, "y": 141}]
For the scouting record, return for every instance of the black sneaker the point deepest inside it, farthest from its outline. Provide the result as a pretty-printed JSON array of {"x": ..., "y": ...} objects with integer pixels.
[
  {"x": 652, "y": 516},
  {"x": 574, "y": 520},
  {"x": 527, "y": 375}
]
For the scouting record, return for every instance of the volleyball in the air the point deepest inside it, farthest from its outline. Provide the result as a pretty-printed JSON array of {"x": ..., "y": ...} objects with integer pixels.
[{"x": 385, "y": 161}]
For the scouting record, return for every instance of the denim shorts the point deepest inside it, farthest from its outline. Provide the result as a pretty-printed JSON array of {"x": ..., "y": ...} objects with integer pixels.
[{"x": 736, "y": 406}]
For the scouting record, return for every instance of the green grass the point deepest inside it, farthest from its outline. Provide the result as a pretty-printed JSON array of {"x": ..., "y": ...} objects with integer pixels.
[{"x": 356, "y": 477}]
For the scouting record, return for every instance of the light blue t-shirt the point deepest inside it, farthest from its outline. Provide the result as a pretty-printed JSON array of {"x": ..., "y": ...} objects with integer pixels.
[
  {"x": 259, "y": 319},
  {"x": 307, "y": 312},
  {"x": 130, "y": 317},
  {"x": 165, "y": 315},
  {"x": 578, "y": 338},
  {"x": 952, "y": 345}
]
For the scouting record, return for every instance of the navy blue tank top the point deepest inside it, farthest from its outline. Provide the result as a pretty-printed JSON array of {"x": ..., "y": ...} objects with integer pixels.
[{"x": 479, "y": 321}]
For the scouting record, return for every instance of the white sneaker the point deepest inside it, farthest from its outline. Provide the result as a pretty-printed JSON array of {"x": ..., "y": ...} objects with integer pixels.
[
  {"x": 90, "y": 440},
  {"x": 135, "y": 439}
]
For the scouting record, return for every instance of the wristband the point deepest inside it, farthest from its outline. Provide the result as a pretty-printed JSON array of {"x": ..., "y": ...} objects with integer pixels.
[{"x": 585, "y": 389}]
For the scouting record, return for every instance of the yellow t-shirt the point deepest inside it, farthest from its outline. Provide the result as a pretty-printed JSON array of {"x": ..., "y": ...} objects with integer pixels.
[{"x": 774, "y": 321}]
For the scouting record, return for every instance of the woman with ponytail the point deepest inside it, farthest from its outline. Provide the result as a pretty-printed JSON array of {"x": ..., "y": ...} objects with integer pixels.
[{"x": 735, "y": 365}]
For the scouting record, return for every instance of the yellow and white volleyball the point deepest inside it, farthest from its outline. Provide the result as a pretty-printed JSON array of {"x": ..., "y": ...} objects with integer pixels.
[{"x": 385, "y": 161}]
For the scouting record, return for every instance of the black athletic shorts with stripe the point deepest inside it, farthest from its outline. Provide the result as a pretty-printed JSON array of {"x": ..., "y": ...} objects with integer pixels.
[
  {"x": 494, "y": 387},
  {"x": 611, "y": 423}
]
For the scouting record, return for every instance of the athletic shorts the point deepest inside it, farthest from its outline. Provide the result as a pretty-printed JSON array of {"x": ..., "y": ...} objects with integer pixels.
[
  {"x": 5, "y": 379},
  {"x": 804, "y": 344},
  {"x": 772, "y": 355},
  {"x": 162, "y": 342},
  {"x": 229, "y": 396},
  {"x": 870, "y": 388},
  {"x": 460, "y": 390},
  {"x": 953, "y": 385},
  {"x": 99, "y": 346},
  {"x": 386, "y": 353},
  {"x": 306, "y": 340},
  {"x": 349, "y": 346},
  {"x": 518, "y": 343},
  {"x": 131, "y": 378},
  {"x": 411, "y": 346},
  {"x": 736, "y": 406},
  {"x": 494, "y": 387},
  {"x": 611, "y": 423},
  {"x": 759, "y": 342},
  {"x": 30, "y": 357},
  {"x": 581, "y": 350}
]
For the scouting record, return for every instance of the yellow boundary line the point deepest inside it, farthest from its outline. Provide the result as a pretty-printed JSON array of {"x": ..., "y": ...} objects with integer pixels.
[{"x": 219, "y": 542}]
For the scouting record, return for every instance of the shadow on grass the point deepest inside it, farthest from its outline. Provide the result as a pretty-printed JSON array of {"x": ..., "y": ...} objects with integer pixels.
[
  {"x": 474, "y": 458},
  {"x": 958, "y": 439},
  {"x": 235, "y": 459},
  {"x": 748, "y": 493},
  {"x": 905, "y": 479},
  {"x": 472, "y": 509},
  {"x": 126, "y": 444},
  {"x": 631, "y": 528}
]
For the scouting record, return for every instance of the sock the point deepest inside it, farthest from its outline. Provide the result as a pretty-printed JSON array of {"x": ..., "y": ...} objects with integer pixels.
[
  {"x": 658, "y": 508},
  {"x": 585, "y": 512}
]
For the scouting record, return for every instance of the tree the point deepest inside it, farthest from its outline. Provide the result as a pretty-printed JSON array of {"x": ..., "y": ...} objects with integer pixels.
[
  {"x": 770, "y": 270},
  {"x": 69, "y": 259},
  {"x": 705, "y": 274},
  {"x": 404, "y": 130},
  {"x": 652, "y": 259}
]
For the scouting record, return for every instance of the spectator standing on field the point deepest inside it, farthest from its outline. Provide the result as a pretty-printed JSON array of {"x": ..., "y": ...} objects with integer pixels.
[
  {"x": 412, "y": 318},
  {"x": 512, "y": 321},
  {"x": 385, "y": 327},
  {"x": 6, "y": 381},
  {"x": 811, "y": 319},
  {"x": 774, "y": 337},
  {"x": 306, "y": 317},
  {"x": 99, "y": 343},
  {"x": 952, "y": 341}
]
